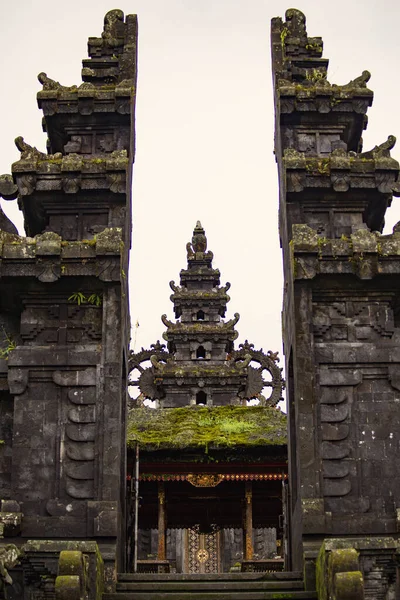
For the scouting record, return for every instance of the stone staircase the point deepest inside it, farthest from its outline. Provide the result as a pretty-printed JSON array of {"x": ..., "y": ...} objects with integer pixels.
[{"x": 224, "y": 586}]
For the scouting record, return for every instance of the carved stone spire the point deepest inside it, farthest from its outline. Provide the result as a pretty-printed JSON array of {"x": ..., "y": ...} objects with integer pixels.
[
  {"x": 202, "y": 366},
  {"x": 199, "y": 240}
]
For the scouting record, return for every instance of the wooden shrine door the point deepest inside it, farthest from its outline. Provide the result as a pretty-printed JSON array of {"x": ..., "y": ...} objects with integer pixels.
[{"x": 203, "y": 551}]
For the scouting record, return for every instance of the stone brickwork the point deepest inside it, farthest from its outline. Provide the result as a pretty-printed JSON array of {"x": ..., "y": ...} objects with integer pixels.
[
  {"x": 341, "y": 308},
  {"x": 64, "y": 322}
]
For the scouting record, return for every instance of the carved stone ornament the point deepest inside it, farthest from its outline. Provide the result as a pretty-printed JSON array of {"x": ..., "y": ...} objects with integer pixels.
[
  {"x": 197, "y": 249},
  {"x": 9, "y": 557},
  {"x": 255, "y": 382},
  {"x": 147, "y": 379},
  {"x": 51, "y": 84},
  {"x": 199, "y": 240},
  {"x": 8, "y": 189},
  {"x": 204, "y": 479},
  {"x": 31, "y": 153},
  {"x": 360, "y": 82},
  {"x": 381, "y": 151}
]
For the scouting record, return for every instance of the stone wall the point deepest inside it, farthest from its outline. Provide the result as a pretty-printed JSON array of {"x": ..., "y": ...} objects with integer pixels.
[
  {"x": 64, "y": 321},
  {"x": 340, "y": 307}
]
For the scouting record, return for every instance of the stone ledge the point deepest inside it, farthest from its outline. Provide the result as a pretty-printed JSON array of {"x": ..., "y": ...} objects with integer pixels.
[
  {"x": 364, "y": 254},
  {"x": 107, "y": 242}
]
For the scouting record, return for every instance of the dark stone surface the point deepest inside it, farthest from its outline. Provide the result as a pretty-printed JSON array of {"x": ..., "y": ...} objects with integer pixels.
[
  {"x": 342, "y": 281},
  {"x": 64, "y": 325}
]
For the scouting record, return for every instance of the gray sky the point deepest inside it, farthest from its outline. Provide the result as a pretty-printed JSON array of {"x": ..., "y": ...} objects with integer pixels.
[{"x": 204, "y": 129}]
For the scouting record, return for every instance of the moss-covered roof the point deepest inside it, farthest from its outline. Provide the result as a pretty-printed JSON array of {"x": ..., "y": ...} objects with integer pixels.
[{"x": 206, "y": 427}]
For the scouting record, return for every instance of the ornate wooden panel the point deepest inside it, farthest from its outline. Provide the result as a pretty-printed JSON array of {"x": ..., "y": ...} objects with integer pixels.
[{"x": 203, "y": 551}]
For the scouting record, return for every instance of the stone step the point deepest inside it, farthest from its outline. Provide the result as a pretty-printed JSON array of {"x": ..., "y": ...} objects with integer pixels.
[
  {"x": 221, "y": 586},
  {"x": 209, "y": 586},
  {"x": 200, "y": 595},
  {"x": 269, "y": 576}
]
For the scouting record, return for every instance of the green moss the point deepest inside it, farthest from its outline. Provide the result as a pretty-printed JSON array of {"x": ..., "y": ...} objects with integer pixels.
[
  {"x": 318, "y": 166},
  {"x": 295, "y": 267},
  {"x": 349, "y": 585},
  {"x": 293, "y": 261},
  {"x": 320, "y": 574},
  {"x": 342, "y": 560},
  {"x": 49, "y": 161},
  {"x": 8, "y": 343},
  {"x": 91, "y": 242},
  {"x": 322, "y": 242},
  {"x": 314, "y": 47},
  {"x": 206, "y": 427},
  {"x": 66, "y": 586},
  {"x": 70, "y": 562},
  {"x": 284, "y": 34},
  {"x": 99, "y": 574},
  {"x": 315, "y": 75}
]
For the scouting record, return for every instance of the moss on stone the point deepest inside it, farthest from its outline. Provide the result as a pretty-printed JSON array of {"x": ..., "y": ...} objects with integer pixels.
[
  {"x": 99, "y": 574},
  {"x": 320, "y": 572},
  {"x": 342, "y": 560},
  {"x": 349, "y": 585},
  {"x": 67, "y": 587},
  {"x": 206, "y": 427},
  {"x": 70, "y": 563}
]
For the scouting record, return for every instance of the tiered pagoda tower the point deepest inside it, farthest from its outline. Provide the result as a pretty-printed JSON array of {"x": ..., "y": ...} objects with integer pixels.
[
  {"x": 201, "y": 366},
  {"x": 203, "y": 434},
  {"x": 340, "y": 321}
]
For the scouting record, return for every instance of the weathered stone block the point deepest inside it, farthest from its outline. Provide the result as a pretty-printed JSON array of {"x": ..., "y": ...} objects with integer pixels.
[
  {"x": 348, "y": 586},
  {"x": 85, "y": 377},
  {"x": 49, "y": 243},
  {"x": 68, "y": 587}
]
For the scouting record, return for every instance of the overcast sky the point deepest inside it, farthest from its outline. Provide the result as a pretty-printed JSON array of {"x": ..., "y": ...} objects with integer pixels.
[{"x": 204, "y": 129}]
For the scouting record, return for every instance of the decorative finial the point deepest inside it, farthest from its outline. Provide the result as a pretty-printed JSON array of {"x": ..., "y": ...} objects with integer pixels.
[
  {"x": 381, "y": 151},
  {"x": 296, "y": 21},
  {"x": 113, "y": 27},
  {"x": 199, "y": 240}
]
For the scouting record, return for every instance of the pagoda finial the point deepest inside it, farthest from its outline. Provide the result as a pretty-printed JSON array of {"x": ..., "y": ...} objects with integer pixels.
[
  {"x": 196, "y": 249},
  {"x": 199, "y": 240}
]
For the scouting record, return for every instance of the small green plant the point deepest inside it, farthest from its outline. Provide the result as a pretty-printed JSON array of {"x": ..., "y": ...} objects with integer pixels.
[
  {"x": 77, "y": 298},
  {"x": 10, "y": 345},
  {"x": 95, "y": 300},
  {"x": 80, "y": 298}
]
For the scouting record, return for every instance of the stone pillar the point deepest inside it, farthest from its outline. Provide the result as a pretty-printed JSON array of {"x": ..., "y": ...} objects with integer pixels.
[
  {"x": 248, "y": 549},
  {"x": 161, "y": 553}
]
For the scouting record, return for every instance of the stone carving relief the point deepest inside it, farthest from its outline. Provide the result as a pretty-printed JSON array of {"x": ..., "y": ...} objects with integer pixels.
[
  {"x": 61, "y": 323},
  {"x": 335, "y": 407},
  {"x": 352, "y": 321},
  {"x": 80, "y": 430},
  {"x": 357, "y": 403}
]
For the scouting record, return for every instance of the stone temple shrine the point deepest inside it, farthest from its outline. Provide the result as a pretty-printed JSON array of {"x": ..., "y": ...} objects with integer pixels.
[{"x": 194, "y": 485}]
